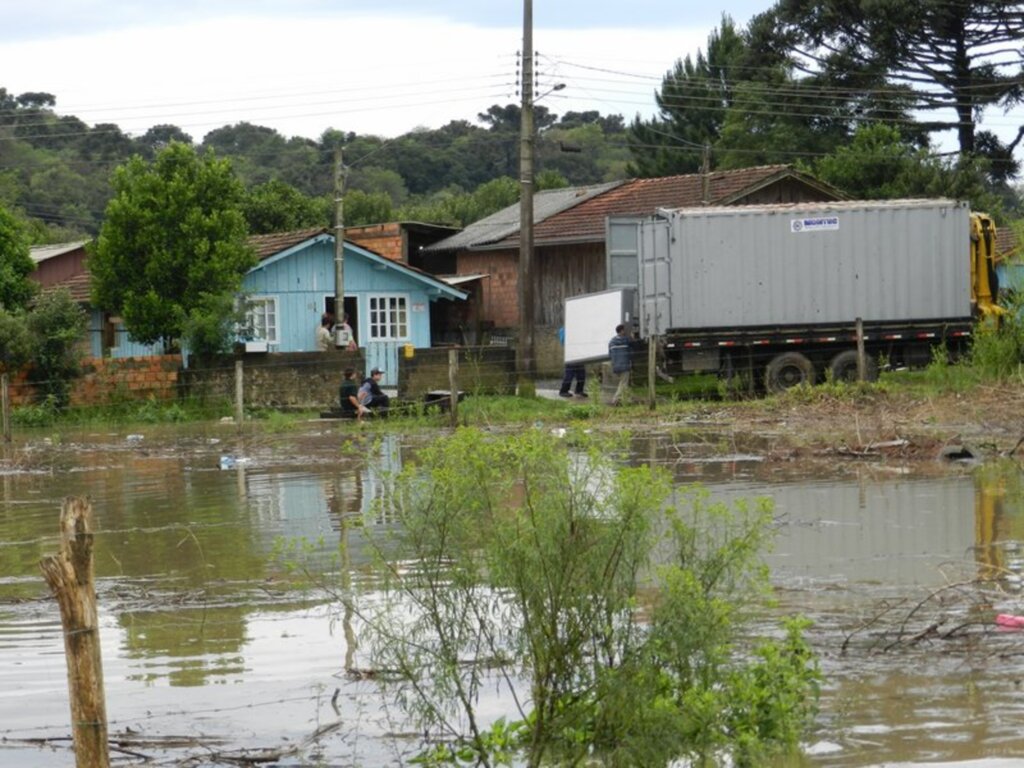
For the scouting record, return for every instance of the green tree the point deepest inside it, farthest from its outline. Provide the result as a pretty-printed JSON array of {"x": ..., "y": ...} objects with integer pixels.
[
  {"x": 879, "y": 163},
  {"x": 158, "y": 137},
  {"x": 16, "y": 289},
  {"x": 15, "y": 341},
  {"x": 367, "y": 208},
  {"x": 460, "y": 208},
  {"x": 692, "y": 105},
  {"x": 607, "y": 608},
  {"x": 174, "y": 236},
  {"x": 962, "y": 56},
  {"x": 280, "y": 207},
  {"x": 57, "y": 326}
]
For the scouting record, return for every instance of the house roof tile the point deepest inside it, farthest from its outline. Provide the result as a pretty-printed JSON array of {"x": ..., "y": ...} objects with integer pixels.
[
  {"x": 267, "y": 245},
  {"x": 643, "y": 197},
  {"x": 577, "y": 214},
  {"x": 79, "y": 286}
]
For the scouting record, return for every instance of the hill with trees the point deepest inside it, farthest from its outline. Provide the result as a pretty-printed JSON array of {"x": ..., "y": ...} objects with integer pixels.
[{"x": 856, "y": 97}]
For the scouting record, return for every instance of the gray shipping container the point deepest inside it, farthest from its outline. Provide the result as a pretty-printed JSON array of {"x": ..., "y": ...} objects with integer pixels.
[{"x": 804, "y": 264}]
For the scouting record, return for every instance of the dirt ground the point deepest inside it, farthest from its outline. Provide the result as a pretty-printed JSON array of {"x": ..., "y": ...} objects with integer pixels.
[{"x": 987, "y": 422}]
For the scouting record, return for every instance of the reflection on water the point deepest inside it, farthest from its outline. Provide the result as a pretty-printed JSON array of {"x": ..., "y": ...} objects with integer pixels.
[{"x": 202, "y": 636}]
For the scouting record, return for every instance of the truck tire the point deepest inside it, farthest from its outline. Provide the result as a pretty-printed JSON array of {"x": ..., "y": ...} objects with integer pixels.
[
  {"x": 843, "y": 367},
  {"x": 790, "y": 369}
]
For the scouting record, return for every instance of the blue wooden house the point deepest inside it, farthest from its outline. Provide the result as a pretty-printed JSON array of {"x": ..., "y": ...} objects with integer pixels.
[{"x": 388, "y": 302}]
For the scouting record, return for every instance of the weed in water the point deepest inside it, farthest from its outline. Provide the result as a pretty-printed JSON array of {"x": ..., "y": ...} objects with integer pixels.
[{"x": 608, "y": 604}]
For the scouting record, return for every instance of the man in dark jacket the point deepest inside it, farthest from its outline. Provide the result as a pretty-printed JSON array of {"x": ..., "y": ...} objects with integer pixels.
[
  {"x": 619, "y": 349},
  {"x": 371, "y": 396}
]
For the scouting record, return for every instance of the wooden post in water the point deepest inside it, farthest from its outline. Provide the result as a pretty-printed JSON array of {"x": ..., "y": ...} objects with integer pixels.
[
  {"x": 862, "y": 363},
  {"x": 70, "y": 576},
  {"x": 5, "y": 405},
  {"x": 652, "y": 370},
  {"x": 453, "y": 384},
  {"x": 239, "y": 394}
]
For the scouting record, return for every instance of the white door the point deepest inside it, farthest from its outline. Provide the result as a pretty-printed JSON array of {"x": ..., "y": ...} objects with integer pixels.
[{"x": 386, "y": 328}]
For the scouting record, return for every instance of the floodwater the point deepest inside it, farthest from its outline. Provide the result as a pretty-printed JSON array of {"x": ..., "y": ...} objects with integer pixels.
[{"x": 209, "y": 654}]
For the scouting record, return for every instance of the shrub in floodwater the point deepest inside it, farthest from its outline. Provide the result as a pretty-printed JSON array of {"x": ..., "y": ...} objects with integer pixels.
[
  {"x": 997, "y": 353},
  {"x": 606, "y": 602}
]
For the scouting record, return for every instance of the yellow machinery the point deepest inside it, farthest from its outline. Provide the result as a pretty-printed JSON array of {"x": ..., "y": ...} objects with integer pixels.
[{"x": 983, "y": 270}]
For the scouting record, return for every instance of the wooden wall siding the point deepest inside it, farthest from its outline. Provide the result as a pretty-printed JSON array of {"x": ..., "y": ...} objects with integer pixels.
[
  {"x": 60, "y": 268},
  {"x": 563, "y": 271},
  {"x": 302, "y": 281},
  {"x": 784, "y": 191},
  {"x": 124, "y": 347}
]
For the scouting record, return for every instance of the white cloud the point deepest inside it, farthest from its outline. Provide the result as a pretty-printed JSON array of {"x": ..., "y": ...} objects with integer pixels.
[{"x": 382, "y": 75}]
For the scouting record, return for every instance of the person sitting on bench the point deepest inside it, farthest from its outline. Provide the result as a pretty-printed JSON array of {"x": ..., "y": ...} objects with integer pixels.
[
  {"x": 348, "y": 393},
  {"x": 371, "y": 396}
]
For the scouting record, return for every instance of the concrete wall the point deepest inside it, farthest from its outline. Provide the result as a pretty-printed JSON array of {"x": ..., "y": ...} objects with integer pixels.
[{"x": 303, "y": 380}]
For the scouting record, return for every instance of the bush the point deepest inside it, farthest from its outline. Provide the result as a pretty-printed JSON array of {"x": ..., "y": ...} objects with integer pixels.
[
  {"x": 57, "y": 325},
  {"x": 606, "y": 603}
]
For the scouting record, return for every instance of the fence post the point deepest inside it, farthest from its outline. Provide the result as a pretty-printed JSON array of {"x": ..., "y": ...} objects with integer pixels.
[
  {"x": 5, "y": 405},
  {"x": 862, "y": 363},
  {"x": 70, "y": 576},
  {"x": 652, "y": 369},
  {"x": 453, "y": 384},
  {"x": 239, "y": 394}
]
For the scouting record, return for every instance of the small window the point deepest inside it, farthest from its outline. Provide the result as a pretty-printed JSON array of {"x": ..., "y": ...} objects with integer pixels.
[
  {"x": 263, "y": 319},
  {"x": 389, "y": 318}
]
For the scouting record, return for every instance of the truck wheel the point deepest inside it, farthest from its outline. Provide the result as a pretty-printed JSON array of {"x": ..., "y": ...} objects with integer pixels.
[
  {"x": 790, "y": 369},
  {"x": 843, "y": 367}
]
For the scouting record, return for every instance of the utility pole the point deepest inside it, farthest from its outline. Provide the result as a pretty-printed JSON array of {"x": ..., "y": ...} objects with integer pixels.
[
  {"x": 339, "y": 240},
  {"x": 705, "y": 175},
  {"x": 525, "y": 364}
]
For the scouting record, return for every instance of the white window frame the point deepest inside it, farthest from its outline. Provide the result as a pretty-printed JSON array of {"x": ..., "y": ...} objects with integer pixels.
[
  {"x": 397, "y": 317},
  {"x": 257, "y": 306}
]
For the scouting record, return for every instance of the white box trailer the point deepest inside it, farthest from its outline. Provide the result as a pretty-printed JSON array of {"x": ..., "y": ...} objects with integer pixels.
[{"x": 776, "y": 290}]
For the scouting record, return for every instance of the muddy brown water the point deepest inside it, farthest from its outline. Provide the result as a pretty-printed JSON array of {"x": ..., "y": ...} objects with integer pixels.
[{"x": 209, "y": 654}]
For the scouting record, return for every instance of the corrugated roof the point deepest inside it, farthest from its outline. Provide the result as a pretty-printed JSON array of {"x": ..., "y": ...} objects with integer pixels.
[
  {"x": 505, "y": 222},
  {"x": 41, "y": 253},
  {"x": 460, "y": 279},
  {"x": 267, "y": 245}
]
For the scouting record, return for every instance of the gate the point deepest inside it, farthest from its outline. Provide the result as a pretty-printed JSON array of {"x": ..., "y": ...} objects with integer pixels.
[{"x": 384, "y": 355}]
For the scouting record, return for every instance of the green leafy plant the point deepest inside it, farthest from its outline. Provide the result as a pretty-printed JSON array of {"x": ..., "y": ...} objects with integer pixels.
[{"x": 608, "y": 605}]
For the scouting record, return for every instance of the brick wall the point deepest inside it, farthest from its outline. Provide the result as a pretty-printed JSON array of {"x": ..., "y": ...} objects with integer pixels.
[
  {"x": 385, "y": 239},
  {"x": 106, "y": 380},
  {"x": 499, "y": 291}
]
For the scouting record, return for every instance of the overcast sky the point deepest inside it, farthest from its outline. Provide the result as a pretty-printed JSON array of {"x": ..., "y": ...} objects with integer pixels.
[{"x": 302, "y": 66}]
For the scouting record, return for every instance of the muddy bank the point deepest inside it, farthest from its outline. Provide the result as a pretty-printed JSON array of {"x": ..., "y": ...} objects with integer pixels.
[{"x": 987, "y": 422}]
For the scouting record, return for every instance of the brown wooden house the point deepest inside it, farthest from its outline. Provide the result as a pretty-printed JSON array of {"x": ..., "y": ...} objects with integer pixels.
[{"x": 569, "y": 233}]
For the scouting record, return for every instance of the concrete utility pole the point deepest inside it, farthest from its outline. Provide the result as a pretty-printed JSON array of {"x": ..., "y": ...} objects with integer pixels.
[
  {"x": 525, "y": 364},
  {"x": 339, "y": 238}
]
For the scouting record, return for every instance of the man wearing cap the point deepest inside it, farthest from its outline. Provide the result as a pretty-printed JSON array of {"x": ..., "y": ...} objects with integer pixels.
[{"x": 371, "y": 396}]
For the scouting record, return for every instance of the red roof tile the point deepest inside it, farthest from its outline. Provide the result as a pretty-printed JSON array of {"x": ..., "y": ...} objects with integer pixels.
[
  {"x": 642, "y": 197},
  {"x": 78, "y": 286},
  {"x": 267, "y": 245}
]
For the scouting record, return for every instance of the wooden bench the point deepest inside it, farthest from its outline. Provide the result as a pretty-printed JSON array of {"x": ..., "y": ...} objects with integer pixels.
[{"x": 442, "y": 399}]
